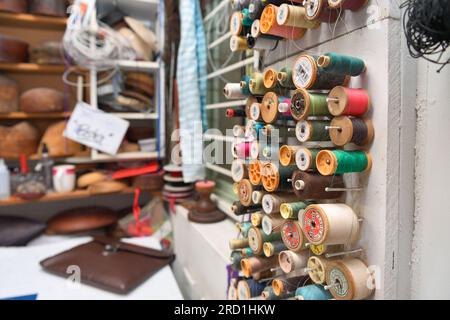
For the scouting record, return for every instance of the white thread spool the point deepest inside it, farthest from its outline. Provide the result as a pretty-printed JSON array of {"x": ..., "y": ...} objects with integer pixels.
[
  {"x": 239, "y": 170},
  {"x": 316, "y": 268},
  {"x": 238, "y": 131},
  {"x": 304, "y": 159},
  {"x": 254, "y": 150},
  {"x": 233, "y": 91},
  {"x": 256, "y": 29},
  {"x": 271, "y": 224},
  {"x": 257, "y": 196},
  {"x": 290, "y": 261},
  {"x": 330, "y": 224},
  {"x": 271, "y": 203}
]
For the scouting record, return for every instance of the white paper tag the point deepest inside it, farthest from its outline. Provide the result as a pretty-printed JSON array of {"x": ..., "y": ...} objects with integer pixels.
[{"x": 96, "y": 129}]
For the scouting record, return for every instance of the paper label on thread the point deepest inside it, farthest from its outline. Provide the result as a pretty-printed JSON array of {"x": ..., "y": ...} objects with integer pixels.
[
  {"x": 338, "y": 277},
  {"x": 290, "y": 235},
  {"x": 303, "y": 70},
  {"x": 314, "y": 225},
  {"x": 96, "y": 129}
]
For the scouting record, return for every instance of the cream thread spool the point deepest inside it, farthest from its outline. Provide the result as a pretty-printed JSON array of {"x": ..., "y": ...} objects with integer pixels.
[
  {"x": 238, "y": 244},
  {"x": 330, "y": 224},
  {"x": 271, "y": 203},
  {"x": 254, "y": 265},
  {"x": 239, "y": 170},
  {"x": 292, "y": 236},
  {"x": 349, "y": 279},
  {"x": 257, "y": 219},
  {"x": 233, "y": 91},
  {"x": 290, "y": 261},
  {"x": 316, "y": 268},
  {"x": 271, "y": 224},
  {"x": 295, "y": 16},
  {"x": 306, "y": 158},
  {"x": 256, "y": 239},
  {"x": 238, "y": 44}
]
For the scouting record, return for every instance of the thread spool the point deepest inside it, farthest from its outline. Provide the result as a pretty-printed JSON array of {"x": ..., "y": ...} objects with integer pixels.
[
  {"x": 254, "y": 172},
  {"x": 238, "y": 244},
  {"x": 283, "y": 286},
  {"x": 245, "y": 85},
  {"x": 330, "y": 224},
  {"x": 348, "y": 102},
  {"x": 248, "y": 289},
  {"x": 305, "y": 104},
  {"x": 256, "y": 239},
  {"x": 307, "y": 75},
  {"x": 238, "y": 209},
  {"x": 293, "y": 210},
  {"x": 253, "y": 130},
  {"x": 257, "y": 197},
  {"x": 319, "y": 249},
  {"x": 238, "y": 170},
  {"x": 264, "y": 275},
  {"x": 290, "y": 261},
  {"x": 269, "y": 294},
  {"x": 241, "y": 150},
  {"x": 312, "y": 292},
  {"x": 271, "y": 224},
  {"x": 269, "y": 151},
  {"x": 353, "y": 5},
  {"x": 247, "y": 252},
  {"x": 270, "y": 78},
  {"x": 254, "y": 265},
  {"x": 250, "y": 99},
  {"x": 261, "y": 43},
  {"x": 271, "y": 203},
  {"x": 349, "y": 279},
  {"x": 312, "y": 131},
  {"x": 284, "y": 78},
  {"x": 339, "y": 161},
  {"x": 283, "y": 131},
  {"x": 238, "y": 131},
  {"x": 321, "y": 11},
  {"x": 269, "y": 25},
  {"x": 257, "y": 219},
  {"x": 255, "y": 8},
  {"x": 246, "y": 191},
  {"x": 236, "y": 258},
  {"x": 255, "y": 112},
  {"x": 316, "y": 267},
  {"x": 287, "y": 155},
  {"x": 243, "y": 228},
  {"x": 238, "y": 44},
  {"x": 255, "y": 150},
  {"x": 292, "y": 236},
  {"x": 232, "y": 91},
  {"x": 312, "y": 186},
  {"x": 272, "y": 248},
  {"x": 256, "y": 33},
  {"x": 345, "y": 130},
  {"x": 305, "y": 158},
  {"x": 235, "y": 113},
  {"x": 257, "y": 84},
  {"x": 295, "y": 16},
  {"x": 341, "y": 64},
  {"x": 276, "y": 178},
  {"x": 270, "y": 107},
  {"x": 240, "y": 23}
]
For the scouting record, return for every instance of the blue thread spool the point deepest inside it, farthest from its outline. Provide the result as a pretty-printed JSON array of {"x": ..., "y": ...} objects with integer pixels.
[
  {"x": 312, "y": 292},
  {"x": 248, "y": 289}
]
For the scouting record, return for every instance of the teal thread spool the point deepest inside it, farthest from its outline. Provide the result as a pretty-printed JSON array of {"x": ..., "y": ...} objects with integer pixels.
[
  {"x": 340, "y": 161},
  {"x": 313, "y": 292},
  {"x": 284, "y": 77},
  {"x": 245, "y": 85},
  {"x": 341, "y": 64},
  {"x": 247, "y": 252},
  {"x": 269, "y": 294},
  {"x": 312, "y": 131},
  {"x": 246, "y": 20},
  {"x": 272, "y": 248},
  {"x": 243, "y": 228},
  {"x": 305, "y": 104}
]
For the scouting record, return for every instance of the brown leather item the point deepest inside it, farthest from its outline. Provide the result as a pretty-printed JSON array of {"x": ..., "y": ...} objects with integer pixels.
[
  {"x": 9, "y": 94},
  {"x": 16, "y": 6},
  {"x": 58, "y": 145},
  {"x": 55, "y": 8},
  {"x": 13, "y": 50},
  {"x": 81, "y": 219},
  {"x": 21, "y": 138},
  {"x": 39, "y": 100},
  {"x": 109, "y": 264}
]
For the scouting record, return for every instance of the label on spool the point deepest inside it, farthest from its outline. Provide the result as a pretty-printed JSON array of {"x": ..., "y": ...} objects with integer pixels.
[
  {"x": 304, "y": 72},
  {"x": 312, "y": 6},
  {"x": 255, "y": 30},
  {"x": 291, "y": 234},
  {"x": 303, "y": 159},
  {"x": 267, "y": 225},
  {"x": 318, "y": 250},
  {"x": 238, "y": 170},
  {"x": 341, "y": 289},
  {"x": 254, "y": 150},
  {"x": 303, "y": 131},
  {"x": 255, "y": 111},
  {"x": 267, "y": 204},
  {"x": 254, "y": 241},
  {"x": 314, "y": 225},
  {"x": 283, "y": 12}
]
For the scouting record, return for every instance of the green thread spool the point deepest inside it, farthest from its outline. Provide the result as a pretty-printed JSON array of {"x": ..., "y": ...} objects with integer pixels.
[
  {"x": 257, "y": 238},
  {"x": 341, "y": 64},
  {"x": 305, "y": 104},
  {"x": 273, "y": 248},
  {"x": 340, "y": 161},
  {"x": 284, "y": 77},
  {"x": 257, "y": 84},
  {"x": 291, "y": 210},
  {"x": 312, "y": 131},
  {"x": 246, "y": 20}
]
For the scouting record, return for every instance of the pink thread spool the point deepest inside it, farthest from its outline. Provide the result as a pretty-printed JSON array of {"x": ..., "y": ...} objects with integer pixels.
[{"x": 242, "y": 150}]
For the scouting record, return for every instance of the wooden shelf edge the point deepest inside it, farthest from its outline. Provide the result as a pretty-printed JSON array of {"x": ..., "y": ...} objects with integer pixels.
[
  {"x": 30, "y": 20},
  {"x": 32, "y": 68},
  {"x": 26, "y": 116}
]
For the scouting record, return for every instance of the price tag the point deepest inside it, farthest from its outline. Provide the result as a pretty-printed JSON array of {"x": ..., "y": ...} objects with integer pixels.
[{"x": 96, "y": 129}]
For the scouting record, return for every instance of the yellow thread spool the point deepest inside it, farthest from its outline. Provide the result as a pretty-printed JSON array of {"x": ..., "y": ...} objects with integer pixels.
[{"x": 295, "y": 16}]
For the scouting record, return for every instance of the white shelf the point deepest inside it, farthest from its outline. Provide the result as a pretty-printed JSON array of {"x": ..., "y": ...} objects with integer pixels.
[
  {"x": 149, "y": 66},
  {"x": 100, "y": 158},
  {"x": 136, "y": 116}
]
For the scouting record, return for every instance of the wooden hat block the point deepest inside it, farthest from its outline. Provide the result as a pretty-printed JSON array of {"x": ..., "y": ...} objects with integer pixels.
[{"x": 205, "y": 210}]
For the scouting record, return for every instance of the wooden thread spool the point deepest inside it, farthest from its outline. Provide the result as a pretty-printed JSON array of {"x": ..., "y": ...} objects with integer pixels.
[
  {"x": 257, "y": 196},
  {"x": 290, "y": 261},
  {"x": 269, "y": 294},
  {"x": 274, "y": 178},
  {"x": 271, "y": 203},
  {"x": 250, "y": 100},
  {"x": 269, "y": 25},
  {"x": 287, "y": 155},
  {"x": 283, "y": 286},
  {"x": 349, "y": 279},
  {"x": 272, "y": 248},
  {"x": 345, "y": 130},
  {"x": 241, "y": 150},
  {"x": 238, "y": 209},
  {"x": 321, "y": 11},
  {"x": 353, "y": 5},
  {"x": 236, "y": 26},
  {"x": 254, "y": 265},
  {"x": 255, "y": 32},
  {"x": 257, "y": 219},
  {"x": 255, "y": 112},
  {"x": 238, "y": 244},
  {"x": 307, "y": 75},
  {"x": 339, "y": 161},
  {"x": 295, "y": 16},
  {"x": 312, "y": 131},
  {"x": 306, "y": 158},
  {"x": 312, "y": 186},
  {"x": 270, "y": 78},
  {"x": 341, "y": 64},
  {"x": 247, "y": 289},
  {"x": 233, "y": 91},
  {"x": 257, "y": 84},
  {"x": 293, "y": 210},
  {"x": 269, "y": 106},
  {"x": 284, "y": 78},
  {"x": 330, "y": 224},
  {"x": 246, "y": 191},
  {"x": 254, "y": 172},
  {"x": 305, "y": 104},
  {"x": 238, "y": 131},
  {"x": 348, "y": 102},
  {"x": 243, "y": 228},
  {"x": 271, "y": 224},
  {"x": 316, "y": 267},
  {"x": 255, "y": 150},
  {"x": 238, "y": 44},
  {"x": 292, "y": 236},
  {"x": 261, "y": 43},
  {"x": 256, "y": 239}
]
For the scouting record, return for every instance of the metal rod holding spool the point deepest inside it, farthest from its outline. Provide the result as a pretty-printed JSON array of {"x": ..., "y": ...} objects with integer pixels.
[
  {"x": 331, "y": 286},
  {"x": 333, "y": 99},
  {"x": 333, "y": 128},
  {"x": 343, "y": 253},
  {"x": 329, "y": 189}
]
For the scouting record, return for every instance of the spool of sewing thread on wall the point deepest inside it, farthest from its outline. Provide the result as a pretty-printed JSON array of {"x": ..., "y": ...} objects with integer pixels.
[
  {"x": 255, "y": 112},
  {"x": 294, "y": 209},
  {"x": 238, "y": 209},
  {"x": 248, "y": 289},
  {"x": 235, "y": 113},
  {"x": 271, "y": 78},
  {"x": 261, "y": 43},
  {"x": 239, "y": 170},
  {"x": 238, "y": 43},
  {"x": 269, "y": 151},
  {"x": 257, "y": 196},
  {"x": 233, "y": 91},
  {"x": 240, "y": 23},
  {"x": 348, "y": 102},
  {"x": 250, "y": 100},
  {"x": 306, "y": 74},
  {"x": 287, "y": 155},
  {"x": 292, "y": 236},
  {"x": 349, "y": 279},
  {"x": 306, "y": 158},
  {"x": 312, "y": 131},
  {"x": 312, "y": 292},
  {"x": 353, "y": 5},
  {"x": 295, "y": 16},
  {"x": 313, "y": 186},
  {"x": 256, "y": 33},
  {"x": 283, "y": 286},
  {"x": 254, "y": 172},
  {"x": 256, "y": 219},
  {"x": 330, "y": 224},
  {"x": 344, "y": 130},
  {"x": 255, "y": 150},
  {"x": 271, "y": 224},
  {"x": 339, "y": 161},
  {"x": 243, "y": 228},
  {"x": 253, "y": 129},
  {"x": 247, "y": 253},
  {"x": 246, "y": 191},
  {"x": 269, "y": 294},
  {"x": 284, "y": 77},
  {"x": 277, "y": 178},
  {"x": 316, "y": 268},
  {"x": 257, "y": 84},
  {"x": 283, "y": 131},
  {"x": 238, "y": 243},
  {"x": 254, "y": 265},
  {"x": 269, "y": 25},
  {"x": 290, "y": 261},
  {"x": 235, "y": 259},
  {"x": 272, "y": 248},
  {"x": 255, "y": 8},
  {"x": 256, "y": 239},
  {"x": 245, "y": 85},
  {"x": 238, "y": 131},
  {"x": 270, "y": 107},
  {"x": 321, "y": 11},
  {"x": 241, "y": 150},
  {"x": 341, "y": 64},
  {"x": 271, "y": 203},
  {"x": 305, "y": 104}
]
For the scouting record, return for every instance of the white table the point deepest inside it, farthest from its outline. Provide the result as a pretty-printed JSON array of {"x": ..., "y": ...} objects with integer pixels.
[{"x": 21, "y": 275}]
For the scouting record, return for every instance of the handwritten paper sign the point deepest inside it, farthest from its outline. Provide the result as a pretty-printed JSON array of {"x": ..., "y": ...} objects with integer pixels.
[{"x": 96, "y": 129}]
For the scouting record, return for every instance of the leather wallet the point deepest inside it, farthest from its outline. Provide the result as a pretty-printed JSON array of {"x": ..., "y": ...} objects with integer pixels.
[{"x": 109, "y": 264}]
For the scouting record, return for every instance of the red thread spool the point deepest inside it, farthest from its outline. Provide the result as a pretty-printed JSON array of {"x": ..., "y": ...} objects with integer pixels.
[
  {"x": 348, "y": 102},
  {"x": 235, "y": 113},
  {"x": 242, "y": 150}
]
